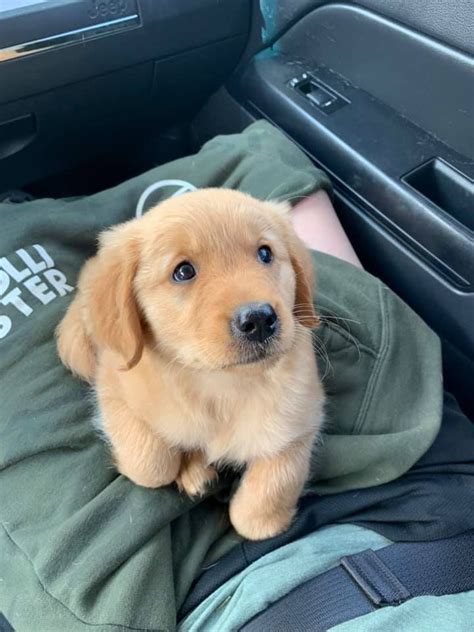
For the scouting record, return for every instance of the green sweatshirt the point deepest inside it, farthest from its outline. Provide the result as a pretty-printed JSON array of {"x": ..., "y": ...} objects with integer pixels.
[{"x": 81, "y": 546}]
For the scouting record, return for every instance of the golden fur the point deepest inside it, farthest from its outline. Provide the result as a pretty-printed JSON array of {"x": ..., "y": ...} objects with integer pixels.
[{"x": 176, "y": 396}]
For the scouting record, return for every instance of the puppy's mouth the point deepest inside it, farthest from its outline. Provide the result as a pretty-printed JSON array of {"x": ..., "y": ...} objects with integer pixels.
[{"x": 257, "y": 353}]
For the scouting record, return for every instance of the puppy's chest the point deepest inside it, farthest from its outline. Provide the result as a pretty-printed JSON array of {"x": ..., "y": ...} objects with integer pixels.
[
  {"x": 248, "y": 431},
  {"x": 234, "y": 427}
]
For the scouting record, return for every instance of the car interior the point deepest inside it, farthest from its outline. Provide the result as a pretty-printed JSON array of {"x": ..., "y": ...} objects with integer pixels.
[{"x": 378, "y": 93}]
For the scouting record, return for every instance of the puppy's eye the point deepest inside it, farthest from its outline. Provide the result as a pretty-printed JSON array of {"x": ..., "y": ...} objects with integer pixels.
[
  {"x": 265, "y": 254},
  {"x": 185, "y": 271}
]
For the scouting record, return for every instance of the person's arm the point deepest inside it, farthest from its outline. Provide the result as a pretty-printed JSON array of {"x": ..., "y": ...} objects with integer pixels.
[{"x": 317, "y": 224}]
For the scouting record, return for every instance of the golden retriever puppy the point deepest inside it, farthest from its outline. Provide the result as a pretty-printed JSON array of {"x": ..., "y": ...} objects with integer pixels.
[{"x": 194, "y": 324}]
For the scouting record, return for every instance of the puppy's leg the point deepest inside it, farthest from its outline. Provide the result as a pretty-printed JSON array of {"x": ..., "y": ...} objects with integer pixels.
[
  {"x": 195, "y": 474},
  {"x": 139, "y": 454},
  {"x": 265, "y": 501}
]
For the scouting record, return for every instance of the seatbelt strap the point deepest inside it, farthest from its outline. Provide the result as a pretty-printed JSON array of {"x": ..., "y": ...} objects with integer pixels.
[{"x": 370, "y": 580}]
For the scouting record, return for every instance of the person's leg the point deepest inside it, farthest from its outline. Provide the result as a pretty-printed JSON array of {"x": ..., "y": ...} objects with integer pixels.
[{"x": 317, "y": 224}]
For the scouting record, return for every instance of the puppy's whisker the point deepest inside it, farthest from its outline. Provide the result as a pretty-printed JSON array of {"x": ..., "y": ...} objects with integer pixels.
[
  {"x": 307, "y": 311},
  {"x": 329, "y": 315},
  {"x": 321, "y": 350},
  {"x": 344, "y": 326}
]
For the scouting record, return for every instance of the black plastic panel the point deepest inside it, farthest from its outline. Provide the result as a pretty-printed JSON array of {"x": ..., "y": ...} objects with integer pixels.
[
  {"x": 103, "y": 115},
  {"x": 222, "y": 114},
  {"x": 52, "y": 20},
  {"x": 76, "y": 121},
  {"x": 451, "y": 191},
  {"x": 167, "y": 27},
  {"x": 64, "y": 107},
  {"x": 368, "y": 148},
  {"x": 16, "y": 133},
  {"x": 448, "y": 21},
  {"x": 429, "y": 83}
]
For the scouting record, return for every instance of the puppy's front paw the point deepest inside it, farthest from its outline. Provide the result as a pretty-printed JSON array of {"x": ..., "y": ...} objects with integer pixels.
[
  {"x": 259, "y": 523},
  {"x": 152, "y": 475},
  {"x": 195, "y": 475}
]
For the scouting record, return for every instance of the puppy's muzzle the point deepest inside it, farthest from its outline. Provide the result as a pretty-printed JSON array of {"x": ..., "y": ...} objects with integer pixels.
[{"x": 254, "y": 323}]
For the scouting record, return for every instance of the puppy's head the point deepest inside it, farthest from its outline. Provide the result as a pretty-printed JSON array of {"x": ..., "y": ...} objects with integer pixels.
[{"x": 212, "y": 279}]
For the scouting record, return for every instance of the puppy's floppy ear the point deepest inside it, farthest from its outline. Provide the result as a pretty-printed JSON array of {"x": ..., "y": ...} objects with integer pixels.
[
  {"x": 303, "y": 268},
  {"x": 111, "y": 302}
]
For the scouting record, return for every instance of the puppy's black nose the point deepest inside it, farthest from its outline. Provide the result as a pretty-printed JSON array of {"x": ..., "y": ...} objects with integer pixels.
[{"x": 255, "y": 321}]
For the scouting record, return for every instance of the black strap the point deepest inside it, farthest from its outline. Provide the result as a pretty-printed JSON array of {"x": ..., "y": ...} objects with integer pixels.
[
  {"x": 4, "y": 624},
  {"x": 370, "y": 580}
]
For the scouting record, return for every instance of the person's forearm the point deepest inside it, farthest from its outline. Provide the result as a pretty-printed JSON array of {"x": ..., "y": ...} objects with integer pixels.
[{"x": 317, "y": 224}]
